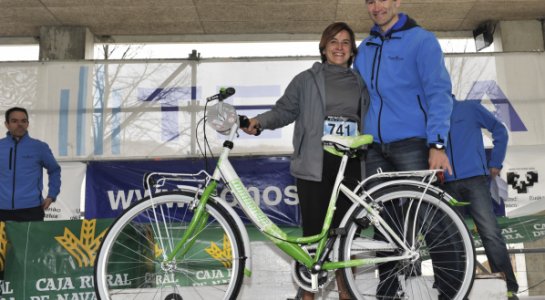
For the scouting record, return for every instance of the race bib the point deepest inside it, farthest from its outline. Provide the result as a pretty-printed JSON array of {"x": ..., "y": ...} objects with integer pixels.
[{"x": 340, "y": 126}]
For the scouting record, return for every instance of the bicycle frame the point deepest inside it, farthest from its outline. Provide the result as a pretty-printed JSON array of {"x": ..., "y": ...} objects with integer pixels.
[{"x": 225, "y": 172}]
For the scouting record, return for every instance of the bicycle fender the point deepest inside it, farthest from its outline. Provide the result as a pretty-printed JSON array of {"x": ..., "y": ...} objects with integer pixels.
[
  {"x": 401, "y": 182},
  {"x": 444, "y": 197},
  {"x": 238, "y": 221}
]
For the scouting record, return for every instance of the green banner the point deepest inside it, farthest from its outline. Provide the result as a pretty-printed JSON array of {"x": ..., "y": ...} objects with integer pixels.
[
  {"x": 515, "y": 230},
  {"x": 55, "y": 259},
  {"x": 51, "y": 260}
]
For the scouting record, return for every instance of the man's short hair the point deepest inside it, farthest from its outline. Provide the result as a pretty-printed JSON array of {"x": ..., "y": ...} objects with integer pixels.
[{"x": 9, "y": 111}]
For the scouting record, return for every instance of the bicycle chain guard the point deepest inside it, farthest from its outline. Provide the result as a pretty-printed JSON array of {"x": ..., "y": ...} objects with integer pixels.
[{"x": 301, "y": 275}]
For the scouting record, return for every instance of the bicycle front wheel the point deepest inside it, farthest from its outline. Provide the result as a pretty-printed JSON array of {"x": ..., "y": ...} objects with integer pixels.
[
  {"x": 133, "y": 262},
  {"x": 443, "y": 264}
]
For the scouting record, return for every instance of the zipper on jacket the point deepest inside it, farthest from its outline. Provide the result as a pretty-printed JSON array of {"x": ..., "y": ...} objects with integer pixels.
[
  {"x": 14, "y": 170},
  {"x": 10, "y": 157},
  {"x": 373, "y": 68},
  {"x": 378, "y": 92}
]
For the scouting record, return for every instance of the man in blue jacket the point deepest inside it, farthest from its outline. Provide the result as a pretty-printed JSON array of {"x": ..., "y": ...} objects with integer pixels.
[
  {"x": 409, "y": 113},
  {"x": 410, "y": 89},
  {"x": 22, "y": 160},
  {"x": 471, "y": 173}
]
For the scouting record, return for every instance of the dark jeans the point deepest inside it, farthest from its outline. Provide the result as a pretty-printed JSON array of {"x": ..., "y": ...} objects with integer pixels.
[
  {"x": 405, "y": 155},
  {"x": 23, "y": 215},
  {"x": 476, "y": 191}
]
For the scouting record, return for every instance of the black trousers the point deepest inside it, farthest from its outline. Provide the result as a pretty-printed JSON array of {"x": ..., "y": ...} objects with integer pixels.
[{"x": 314, "y": 195}]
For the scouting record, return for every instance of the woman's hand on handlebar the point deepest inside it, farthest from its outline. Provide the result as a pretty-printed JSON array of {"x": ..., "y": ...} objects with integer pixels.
[{"x": 253, "y": 127}]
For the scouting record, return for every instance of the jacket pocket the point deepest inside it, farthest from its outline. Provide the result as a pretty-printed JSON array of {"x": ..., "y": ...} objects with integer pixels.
[
  {"x": 299, "y": 146},
  {"x": 422, "y": 109}
]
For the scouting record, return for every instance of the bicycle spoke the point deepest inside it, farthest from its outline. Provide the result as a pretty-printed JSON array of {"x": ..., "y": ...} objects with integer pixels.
[
  {"x": 135, "y": 250},
  {"x": 444, "y": 261}
]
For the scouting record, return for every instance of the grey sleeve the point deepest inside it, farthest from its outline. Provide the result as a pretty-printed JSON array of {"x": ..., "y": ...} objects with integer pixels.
[{"x": 286, "y": 109}]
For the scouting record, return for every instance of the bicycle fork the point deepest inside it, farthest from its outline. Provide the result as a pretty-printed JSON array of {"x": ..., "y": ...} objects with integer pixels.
[{"x": 197, "y": 223}]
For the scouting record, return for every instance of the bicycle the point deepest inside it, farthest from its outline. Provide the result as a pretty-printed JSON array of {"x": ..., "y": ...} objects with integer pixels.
[{"x": 191, "y": 244}]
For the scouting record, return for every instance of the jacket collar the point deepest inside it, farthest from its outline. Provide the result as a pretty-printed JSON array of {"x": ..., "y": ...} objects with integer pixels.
[
  {"x": 404, "y": 23},
  {"x": 8, "y": 135}
]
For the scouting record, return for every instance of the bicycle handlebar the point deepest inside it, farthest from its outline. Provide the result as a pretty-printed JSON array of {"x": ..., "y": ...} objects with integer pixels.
[{"x": 244, "y": 122}]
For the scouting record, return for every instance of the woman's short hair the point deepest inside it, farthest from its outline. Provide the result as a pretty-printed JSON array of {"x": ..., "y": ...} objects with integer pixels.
[{"x": 330, "y": 32}]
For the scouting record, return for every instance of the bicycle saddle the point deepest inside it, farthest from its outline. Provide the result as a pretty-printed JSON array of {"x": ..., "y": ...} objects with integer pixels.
[{"x": 348, "y": 142}]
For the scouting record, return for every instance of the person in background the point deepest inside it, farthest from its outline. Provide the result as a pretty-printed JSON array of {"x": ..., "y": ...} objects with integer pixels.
[
  {"x": 22, "y": 160},
  {"x": 328, "y": 95},
  {"x": 471, "y": 175},
  {"x": 409, "y": 113}
]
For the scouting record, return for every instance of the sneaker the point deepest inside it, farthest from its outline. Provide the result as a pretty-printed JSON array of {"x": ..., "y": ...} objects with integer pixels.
[{"x": 512, "y": 296}]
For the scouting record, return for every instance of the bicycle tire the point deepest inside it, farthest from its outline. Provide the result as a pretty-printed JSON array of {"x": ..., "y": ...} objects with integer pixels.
[
  {"x": 130, "y": 263},
  {"x": 441, "y": 234}
]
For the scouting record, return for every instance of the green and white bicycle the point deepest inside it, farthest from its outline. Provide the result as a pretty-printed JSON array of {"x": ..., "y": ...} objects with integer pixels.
[{"x": 191, "y": 244}]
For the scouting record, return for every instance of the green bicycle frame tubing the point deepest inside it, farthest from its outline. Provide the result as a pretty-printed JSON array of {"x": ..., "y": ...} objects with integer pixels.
[
  {"x": 321, "y": 237},
  {"x": 197, "y": 222},
  {"x": 258, "y": 217},
  {"x": 329, "y": 266}
]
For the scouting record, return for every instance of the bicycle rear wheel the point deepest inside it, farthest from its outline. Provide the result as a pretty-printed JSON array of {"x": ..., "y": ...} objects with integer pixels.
[
  {"x": 132, "y": 263},
  {"x": 444, "y": 266}
]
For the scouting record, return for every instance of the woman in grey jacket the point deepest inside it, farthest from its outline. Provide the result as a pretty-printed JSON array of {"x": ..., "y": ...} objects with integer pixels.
[{"x": 329, "y": 98}]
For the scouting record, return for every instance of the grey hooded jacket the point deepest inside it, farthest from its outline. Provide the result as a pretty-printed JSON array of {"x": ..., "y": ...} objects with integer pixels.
[{"x": 304, "y": 103}]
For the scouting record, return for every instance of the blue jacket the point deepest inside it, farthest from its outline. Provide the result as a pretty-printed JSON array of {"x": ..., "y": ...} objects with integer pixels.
[
  {"x": 408, "y": 83},
  {"x": 21, "y": 173},
  {"x": 465, "y": 148}
]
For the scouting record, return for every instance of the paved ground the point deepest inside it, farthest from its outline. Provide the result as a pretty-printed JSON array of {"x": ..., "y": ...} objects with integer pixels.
[{"x": 271, "y": 279}]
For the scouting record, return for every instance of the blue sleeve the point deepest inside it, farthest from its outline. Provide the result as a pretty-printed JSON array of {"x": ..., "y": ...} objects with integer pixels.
[
  {"x": 53, "y": 172},
  {"x": 437, "y": 88},
  {"x": 500, "y": 136}
]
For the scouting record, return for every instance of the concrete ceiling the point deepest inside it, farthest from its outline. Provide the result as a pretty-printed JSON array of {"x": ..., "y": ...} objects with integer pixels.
[{"x": 168, "y": 19}]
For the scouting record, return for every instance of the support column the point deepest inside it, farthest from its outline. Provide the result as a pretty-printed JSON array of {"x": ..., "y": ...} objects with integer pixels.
[
  {"x": 522, "y": 36},
  {"x": 66, "y": 43},
  {"x": 513, "y": 36}
]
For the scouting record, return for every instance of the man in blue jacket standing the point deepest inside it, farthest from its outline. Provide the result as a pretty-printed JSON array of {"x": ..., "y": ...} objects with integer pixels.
[
  {"x": 409, "y": 113},
  {"x": 410, "y": 88},
  {"x": 22, "y": 160},
  {"x": 471, "y": 174}
]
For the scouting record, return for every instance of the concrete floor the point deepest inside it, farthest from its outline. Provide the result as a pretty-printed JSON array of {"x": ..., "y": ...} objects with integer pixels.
[{"x": 271, "y": 279}]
